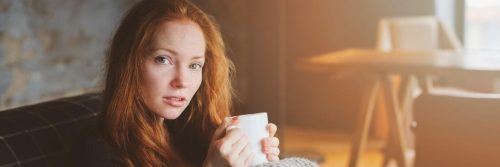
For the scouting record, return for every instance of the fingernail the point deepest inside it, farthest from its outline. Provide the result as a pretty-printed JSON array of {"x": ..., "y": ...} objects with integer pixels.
[{"x": 234, "y": 119}]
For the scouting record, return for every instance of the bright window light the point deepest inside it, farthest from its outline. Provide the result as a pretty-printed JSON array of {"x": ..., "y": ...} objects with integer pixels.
[{"x": 482, "y": 24}]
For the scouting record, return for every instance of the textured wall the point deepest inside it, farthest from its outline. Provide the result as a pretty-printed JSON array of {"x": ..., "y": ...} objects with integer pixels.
[{"x": 53, "y": 48}]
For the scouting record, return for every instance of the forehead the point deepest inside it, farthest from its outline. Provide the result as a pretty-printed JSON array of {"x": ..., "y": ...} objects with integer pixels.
[{"x": 183, "y": 36}]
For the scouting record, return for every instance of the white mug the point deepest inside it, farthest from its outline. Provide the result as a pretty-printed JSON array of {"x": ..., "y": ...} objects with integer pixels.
[{"x": 254, "y": 126}]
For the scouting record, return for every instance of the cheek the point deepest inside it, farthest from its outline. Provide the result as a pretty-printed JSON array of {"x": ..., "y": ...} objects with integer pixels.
[
  {"x": 153, "y": 81},
  {"x": 197, "y": 83}
]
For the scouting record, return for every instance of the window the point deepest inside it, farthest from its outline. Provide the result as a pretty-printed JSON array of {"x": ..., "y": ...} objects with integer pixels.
[{"x": 482, "y": 24}]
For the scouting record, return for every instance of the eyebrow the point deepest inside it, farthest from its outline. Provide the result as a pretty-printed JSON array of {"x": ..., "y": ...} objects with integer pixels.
[
  {"x": 166, "y": 49},
  {"x": 175, "y": 53},
  {"x": 198, "y": 57}
]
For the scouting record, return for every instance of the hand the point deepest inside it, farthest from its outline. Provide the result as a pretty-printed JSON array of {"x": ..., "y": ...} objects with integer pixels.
[
  {"x": 270, "y": 144},
  {"x": 229, "y": 148}
]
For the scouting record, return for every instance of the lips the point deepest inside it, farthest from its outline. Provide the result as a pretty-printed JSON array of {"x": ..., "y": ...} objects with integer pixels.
[{"x": 175, "y": 101}]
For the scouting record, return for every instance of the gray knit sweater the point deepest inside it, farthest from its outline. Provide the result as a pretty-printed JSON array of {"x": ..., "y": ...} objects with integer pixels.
[{"x": 291, "y": 162}]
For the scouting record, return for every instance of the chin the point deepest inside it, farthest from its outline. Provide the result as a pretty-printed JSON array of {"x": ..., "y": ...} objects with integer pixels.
[{"x": 170, "y": 114}]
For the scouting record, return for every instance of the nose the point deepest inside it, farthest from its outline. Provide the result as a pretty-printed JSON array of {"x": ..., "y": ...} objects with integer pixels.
[{"x": 180, "y": 79}]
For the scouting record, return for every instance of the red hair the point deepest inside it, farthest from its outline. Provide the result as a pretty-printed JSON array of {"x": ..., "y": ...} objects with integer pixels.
[{"x": 138, "y": 134}]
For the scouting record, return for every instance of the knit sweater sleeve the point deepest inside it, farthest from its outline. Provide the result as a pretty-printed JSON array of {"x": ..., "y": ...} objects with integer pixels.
[{"x": 291, "y": 162}]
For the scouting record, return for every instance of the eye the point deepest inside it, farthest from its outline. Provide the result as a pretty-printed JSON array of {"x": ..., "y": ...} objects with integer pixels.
[
  {"x": 196, "y": 66},
  {"x": 163, "y": 60}
]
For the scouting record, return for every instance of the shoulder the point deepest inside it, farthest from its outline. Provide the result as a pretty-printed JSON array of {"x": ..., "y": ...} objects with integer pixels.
[{"x": 96, "y": 151}]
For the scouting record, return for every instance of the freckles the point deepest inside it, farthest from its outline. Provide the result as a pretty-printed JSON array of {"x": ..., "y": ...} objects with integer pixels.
[
  {"x": 149, "y": 73},
  {"x": 198, "y": 80},
  {"x": 153, "y": 80},
  {"x": 149, "y": 81}
]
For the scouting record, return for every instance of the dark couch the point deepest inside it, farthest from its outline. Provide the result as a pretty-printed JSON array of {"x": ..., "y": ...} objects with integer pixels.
[{"x": 45, "y": 134}]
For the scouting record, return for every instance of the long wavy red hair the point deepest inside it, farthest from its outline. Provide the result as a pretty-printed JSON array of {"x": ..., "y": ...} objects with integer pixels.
[{"x": 138, "y": 134}]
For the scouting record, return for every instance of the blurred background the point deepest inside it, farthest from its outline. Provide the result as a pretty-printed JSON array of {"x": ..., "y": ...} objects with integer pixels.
[{"x": 55, "y": 48}]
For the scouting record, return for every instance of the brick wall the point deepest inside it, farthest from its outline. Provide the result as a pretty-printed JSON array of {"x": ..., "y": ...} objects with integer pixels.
[{"x": 53, "y": 48}]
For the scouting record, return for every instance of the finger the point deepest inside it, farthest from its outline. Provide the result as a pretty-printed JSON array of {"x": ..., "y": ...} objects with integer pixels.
[
  {"x": 246, "y": 155},
  {"x": 270, "y": 142},
  {"x": 249, "y": 159},
  {"x": 272, "y": 151},
  {"x": 233, "y": 124},
  {"x": 219, "y": 132},
  {"x": 240, "y": 145},
  {"x": 233, "y": 142},
  {"x": 239, "y": 154},
  {"x": 272, "y": 158},
  {"x": 272, "y": 128},
  {"x": 230, "y": 127},
  {"x": 225, "y": 144},
  {"x": 232, "y": 137}
]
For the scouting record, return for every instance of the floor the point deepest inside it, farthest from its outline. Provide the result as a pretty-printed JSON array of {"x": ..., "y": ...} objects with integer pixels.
[{"x": 334, "y": 148}]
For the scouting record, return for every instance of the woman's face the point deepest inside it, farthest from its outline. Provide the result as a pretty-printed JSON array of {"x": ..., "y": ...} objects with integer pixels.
[{"x": 173, "y": 69}]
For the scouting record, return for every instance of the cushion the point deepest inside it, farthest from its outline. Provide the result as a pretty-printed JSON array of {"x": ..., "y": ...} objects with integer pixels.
[{"x": 44, "y": 134}]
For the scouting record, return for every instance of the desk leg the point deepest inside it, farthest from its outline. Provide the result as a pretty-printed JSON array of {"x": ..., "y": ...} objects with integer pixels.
[
  {"x": 397, "y": 138},
  {"x": 364, "y": 121},
  {"x": 406, "y": 94},
  {"x": 409, "y": 87}
]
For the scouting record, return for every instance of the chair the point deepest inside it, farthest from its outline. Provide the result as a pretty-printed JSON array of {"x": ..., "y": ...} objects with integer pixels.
[
  {"x": 427, "y": 33},
  {"x": 413, "y": 33},
  {"x": 416, "y": 33},
  {"x": 457, "y": 129}
]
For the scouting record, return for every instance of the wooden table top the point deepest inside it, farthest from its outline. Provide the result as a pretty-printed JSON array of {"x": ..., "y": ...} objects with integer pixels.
[{"x": 473, "y": 64}]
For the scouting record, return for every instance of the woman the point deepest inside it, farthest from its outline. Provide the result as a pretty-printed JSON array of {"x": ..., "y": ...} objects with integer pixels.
[{"x": 167, "y": 93}]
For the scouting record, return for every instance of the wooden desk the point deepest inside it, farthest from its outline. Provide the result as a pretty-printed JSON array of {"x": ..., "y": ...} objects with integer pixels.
[{"x": 379, "y": 65}]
